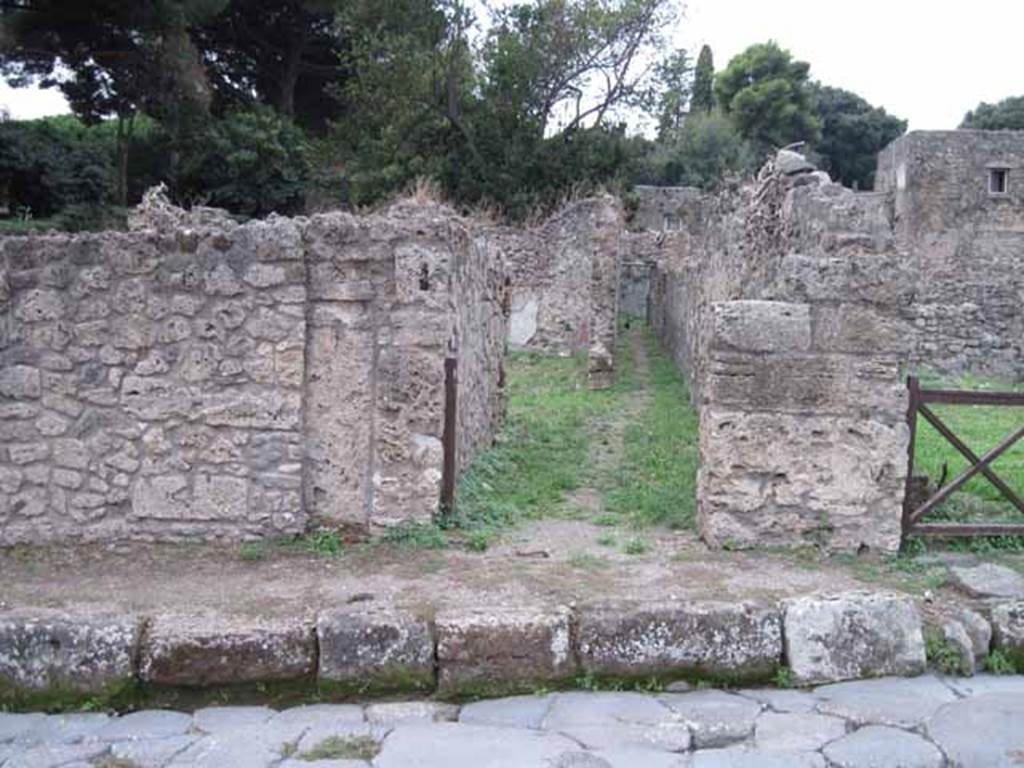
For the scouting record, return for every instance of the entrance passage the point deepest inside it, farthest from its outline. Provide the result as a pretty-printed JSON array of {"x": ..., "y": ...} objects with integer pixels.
[{"x": 923, "y": 498}]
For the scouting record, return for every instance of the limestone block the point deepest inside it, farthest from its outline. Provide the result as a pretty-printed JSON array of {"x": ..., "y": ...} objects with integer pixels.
[
  {"x": 851, "y": 636},
  {"x": 676, "y": 640},
  {"x": 39, "y": 305},
  {"x": 860, "y": 329},
  {"x": 198, "y": 651},
  {"x": 522, "y": 325},
  {"x": 20, "y": 381},
  {"x": 48, "y": 650},
  {"x": 988, "y": 580},
  {"x": 377, "y": 650},
  {"x": 761, "y": 326},
  {"x": 503, "y": 650},
  {"x": 1008, "y": 630}
]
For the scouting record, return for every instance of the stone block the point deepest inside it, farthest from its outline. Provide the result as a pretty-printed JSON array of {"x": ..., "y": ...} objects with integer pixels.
[
  {"x": 1008, "y": 630},
  {"x": 853, "y": 635},
  {"x": 677, "y": 640},
  {"x": 761, "y": 326},
  {"x": 503, "y": 650},
  {"x": 860, "y": 329},
  {"x": 375, "y": 650},
  {"x": 223, "y": 650},
  {"x": 43, "y": 651},
  {"x": 988, "y": 580},
  {"x": 20, "y": 381}
]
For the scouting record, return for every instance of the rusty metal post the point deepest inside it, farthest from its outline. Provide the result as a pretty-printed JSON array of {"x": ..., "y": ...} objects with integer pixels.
[{"x": 449, "y": 438}]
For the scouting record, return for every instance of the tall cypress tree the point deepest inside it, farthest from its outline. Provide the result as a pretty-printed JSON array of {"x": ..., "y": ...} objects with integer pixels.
[{"x": 703, "y": 82}]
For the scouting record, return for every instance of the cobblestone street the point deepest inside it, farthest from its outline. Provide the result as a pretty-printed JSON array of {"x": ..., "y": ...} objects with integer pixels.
[{"x": 923, "y": 722}]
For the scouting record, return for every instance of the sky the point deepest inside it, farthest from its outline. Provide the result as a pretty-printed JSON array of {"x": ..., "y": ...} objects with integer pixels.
[{"x": 928, "y": 61}]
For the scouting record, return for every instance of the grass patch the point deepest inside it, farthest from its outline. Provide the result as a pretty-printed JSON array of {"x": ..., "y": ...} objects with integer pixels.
[
  {"x": 322, "y": 543},
  {"x": 541, "y": 453},
  {"x": 343, "y": 748},
  {"x": 416, "y": 536},
  {"x": 656, "y": 484},
  {"x": 636, "y": 546}
]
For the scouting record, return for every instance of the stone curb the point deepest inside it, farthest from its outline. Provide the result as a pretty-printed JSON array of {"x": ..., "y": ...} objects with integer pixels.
[{"x": 480, "y": 652}]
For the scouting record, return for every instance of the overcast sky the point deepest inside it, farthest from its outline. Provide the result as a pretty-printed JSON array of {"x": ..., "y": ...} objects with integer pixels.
[{"x": 926, "y": 61}]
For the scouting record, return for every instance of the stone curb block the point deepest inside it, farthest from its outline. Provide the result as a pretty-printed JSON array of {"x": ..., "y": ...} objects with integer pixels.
[
  {"x": 503, "y": 651},
  {"x": 1008, "y": 631},
  {"x": 735, "y": 640},
  {"x": 851, "y": 636},
  {"x": 376, "y": 650},
  {"x": 50, "y": 651},
  {"x": 221, "y": 652}
]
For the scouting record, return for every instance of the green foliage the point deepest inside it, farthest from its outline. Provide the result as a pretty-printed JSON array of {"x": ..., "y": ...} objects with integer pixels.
[
  {"x": 944, "y": 656},
  {"x": 1007, "y": 114},
  {"x": 783, "y": 677},
  {"x": 674, "y": 75},
  {"x": 852, "y": 134},
  {"x": 999, "y": 663},
  {"x": 254, "y": 551},
  {"x": 322, "y": 543},
  {"x": 703, "y": 152},
  {"x": 765, "y": 93},
  {"x": 637, "y": 546},
  {"x": 704, "y": 82},
  {"x": 252, "y": 163},
  {"x": 416, "y": 536}
]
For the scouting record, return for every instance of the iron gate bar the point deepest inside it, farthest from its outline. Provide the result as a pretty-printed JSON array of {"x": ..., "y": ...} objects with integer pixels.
[
  {"x": 971, "y": 456},
  {"x": 953, "y": 487}
]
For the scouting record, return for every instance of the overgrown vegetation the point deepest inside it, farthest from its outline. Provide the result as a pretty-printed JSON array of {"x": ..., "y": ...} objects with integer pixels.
[
  {"x": 343, "y": 748},
  {"x": 261, "y": 105}
]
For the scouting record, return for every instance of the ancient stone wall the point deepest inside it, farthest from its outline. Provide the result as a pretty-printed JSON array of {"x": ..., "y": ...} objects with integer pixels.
[
  {"x": 963, "y": 238},
  {"x": 783, "y": 307},
  {"x": 565, "y": 281},
  {"x": 226, "y": 381}
]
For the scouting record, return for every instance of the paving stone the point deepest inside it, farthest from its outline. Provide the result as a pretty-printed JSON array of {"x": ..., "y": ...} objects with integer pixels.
[
  {"x": 988, "y": 580},
  {"x": 384, "y": 650},
  {"x": 738, "y": 757},
  {"x": 220, "y": 719},
  {"x": 664, "y": 737},
  {"x": 46, "y": 650},
  {"x": 981, "y": 731},
  {"x": 739, "y": 639},
  {"x": 890, "y": 701},
  {"x": 152, "y": 753},
  {"x": 247, "y": 747},
  {"x": 782, "y": 701},
  {"x": 581, "y": 709},
  {"x": 147, "y": 724},
  {"x": 52, "y": 756},
  {"x": 288, "y": 727},
  {"x": 318, "y": 734},
  {"x": 393, "y": 713},
  {"x": 514, "y": 711},
  {"x": 979, "y": 685},
  {"x": 324, "y": 764},
  {"x": 1008, "y": 631},
  {"x": 14, "y": 725},
  {"x": 213, "y": 651},
  {"x": 854, "y": 635},
  {"x": 457, "y": 745},
  {"x": 510, "y": 650},
  {"x": 878, "y": 746},
  {"x": 716, "y": 719},
  {"x": 796, "y": 732},
  {"x": 67, "y": 728},
  {"x": 621, "y": 758}
]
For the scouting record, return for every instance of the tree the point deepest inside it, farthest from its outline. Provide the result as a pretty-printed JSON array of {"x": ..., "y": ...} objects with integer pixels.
[
  {"x": 705, "y": 150},
  {"x": 764, "y": 91},
  {"x": 110, "y": 58},
  {"x": 852, "y": 134},
  {"x": 674, "y": 78},
  {"x": 1007, "y": 114},
  {"x": 703, "y": 82}
]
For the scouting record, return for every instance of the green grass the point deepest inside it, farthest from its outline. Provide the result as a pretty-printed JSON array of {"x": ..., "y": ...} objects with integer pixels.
[
  {"x": 656, "y": 485},
  {"x": 541, "y": 453},
  {"x": 981, "y": 428},
  {"x": 343, "y": 748}
]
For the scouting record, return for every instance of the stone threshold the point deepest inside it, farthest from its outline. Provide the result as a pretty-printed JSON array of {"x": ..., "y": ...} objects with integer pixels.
[{"x": 366, "y": 652}]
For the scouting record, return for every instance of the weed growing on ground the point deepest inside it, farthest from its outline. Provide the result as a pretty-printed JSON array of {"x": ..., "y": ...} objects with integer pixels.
[
  {"x": 944, "y": 656},
  {"x": 783, "y": 678},
  {"x": 607, "y": 520},
  {"x": 322, "y": 543},
  {"x": 587, "y": 562},
  {"x": 109, "y": 761},
  {"x": 607, "y": 540},
  {"x": 343, "y": 748},
  {"x": 657, "y": 483},
  {"x": 416, "y": 536},
  {"x": 636, "y": 546},
  {"x": 254, "y": 551},
  {"x": 998, "y": 663}
]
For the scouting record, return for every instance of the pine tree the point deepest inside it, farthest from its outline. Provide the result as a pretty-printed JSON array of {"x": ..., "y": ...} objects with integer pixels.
[{"x": 703, "y": 81}]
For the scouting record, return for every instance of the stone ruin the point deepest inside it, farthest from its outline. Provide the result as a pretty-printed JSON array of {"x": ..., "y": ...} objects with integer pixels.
[{"x": 200, "y": 378}]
